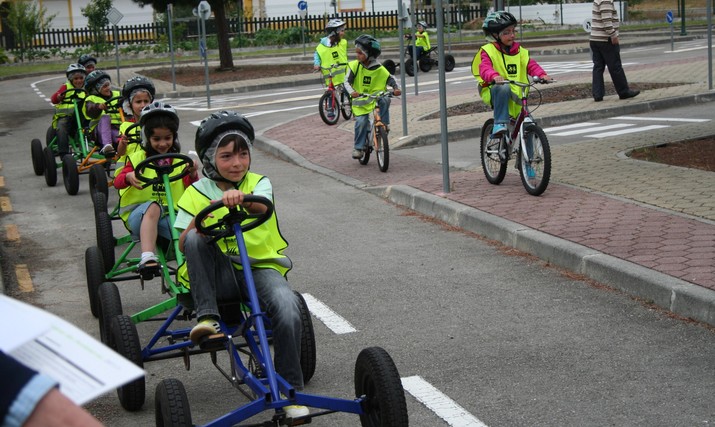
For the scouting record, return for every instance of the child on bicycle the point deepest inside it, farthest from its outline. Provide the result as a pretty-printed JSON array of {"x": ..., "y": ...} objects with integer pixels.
[
  {"x": 223, "y": 142},
  {"x": 422, "y": 43},
  {"x": 103, "y": 126},
  {"x": 64, "y": 121},
  {"x": 332, "y": 49},
  {"x": 502, "y": 59},
  {"x": 143, "y": 210},
  {"x": 367, "y": 76}
]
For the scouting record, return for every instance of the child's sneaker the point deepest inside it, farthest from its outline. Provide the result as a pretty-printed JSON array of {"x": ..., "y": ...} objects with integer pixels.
[
  {"x": 206, "y": 326},
  {"x": 498, "y": 129},
  {"x": 108, "y": 151},
  {"x": 357, "y": 154},
  {"x": 530, "y": 172},
  {"x": 296, "y": 411}
]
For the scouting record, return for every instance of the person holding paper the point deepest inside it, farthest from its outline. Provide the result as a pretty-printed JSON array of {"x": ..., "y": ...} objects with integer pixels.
[{"x": 31, "y": 399}]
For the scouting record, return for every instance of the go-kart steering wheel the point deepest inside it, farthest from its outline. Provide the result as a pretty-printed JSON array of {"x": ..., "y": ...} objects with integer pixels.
[
  {"x": 74, "y": 92},
  {"x": 161, "y": 170},
  {"x": 224, "y": 226},
  {"x": 132, "y": 136}
]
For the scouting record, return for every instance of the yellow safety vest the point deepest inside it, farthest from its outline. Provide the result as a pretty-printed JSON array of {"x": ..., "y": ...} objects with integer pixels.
[
  {"x": 114, "y": 105},
  {"x": 132, "y": 148},
  {"x": 423, "y": 41},
  {"x": 265, "y": 244},
  {"x": 512, "y": 67},
  {"x": 66, "y": 107},
  {"x": 367, "y": 81},
  {"x": 334, "y": 55},
  {"x": 132, "y": 197}
]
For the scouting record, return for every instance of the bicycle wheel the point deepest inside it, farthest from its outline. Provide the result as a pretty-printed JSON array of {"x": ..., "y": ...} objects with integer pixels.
[
  {"x": 366, "y": 152},
  {"x": 493, "y": 155},
  {"x": 328, "y": 108},
  {"x": 346, "y": 105},
  {"x": 382, "y": 149},
  {"x": 535, "y": 166}
]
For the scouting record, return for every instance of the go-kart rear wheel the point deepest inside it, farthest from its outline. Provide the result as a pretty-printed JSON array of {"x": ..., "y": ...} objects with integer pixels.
[
  {"x": 98, "y": 180},
  {"x": 377, "y": 379},
  {"x": 110, "y": 305},
  {"x": 70, "y": 175},
  {"x": 50, "y": 167},
  {"x": 124, "y": 339},
  {"x": 307, "y": 341},
  {"x": 99, "y": 201},
  {"x": 449, "y": 63},
  {"x": 106, "y": 240},
  {"x": 38, "y": 160},
  {"x": 94, "y": 267},
  {"x": 409, "y": 67},
  {"x": 425, "y": 64},
  {"x": 390, "y": 65},
  {"x": 171, "y": 406}
]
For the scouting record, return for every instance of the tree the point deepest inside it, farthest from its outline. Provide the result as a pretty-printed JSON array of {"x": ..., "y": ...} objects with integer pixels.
[
  {"x": 96, "y": 14},
  {"x": 218, "y": 7},
  {"x": 26, "y": 20}
]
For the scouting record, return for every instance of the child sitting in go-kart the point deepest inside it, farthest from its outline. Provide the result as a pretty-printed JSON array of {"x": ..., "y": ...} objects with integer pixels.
[
  {"x": 143, "y": 210},
  {"x": 223, "y": 143},
  {"x": 64, "y": 121},
  {"x": 103, "y": 125},
  {"x": 137, "y": 93},
  {"x": 422, "y": 43}
]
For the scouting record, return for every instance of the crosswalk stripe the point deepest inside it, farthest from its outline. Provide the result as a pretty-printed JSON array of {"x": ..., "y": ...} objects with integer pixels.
[
  {"x": 566, "y": 127},
  {"x": 589, "y": 130},
  {"x": 626, "y": 131},
  {"x": 660, "y": 119}
]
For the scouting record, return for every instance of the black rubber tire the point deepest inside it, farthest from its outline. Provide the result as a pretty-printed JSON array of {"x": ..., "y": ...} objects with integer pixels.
[
  {"x": 308, "y": 352},
  {"x": 382, "y": 153},
  {"x": 106, "y": 240},
  {"x": 329, "y": 101},
  {"x": 366, "y": 153},
  {"x": 390, "y": 66},
  {"x": 125, "y": 341},
  {"x": 50, "y": 171},
  {"x": 425, "y": 64},
  {"x": 98, "y": 180},
  {"x": 38, "y": 160},
  {"x": 171, "y": 405},
  {"x": 110, "y": 305},
  {"x": 99, "y": 202},
  {"x": 377, "y": 379},
  {"x": 94, "y": 268},
  {"x": 449, "y": 62},
  {"x": 494, "y": 166},
  {"x": 409, "y": 68},
  {"x": 50, "y": 136},
  {"x": 70, "y": 174},
  {"x": 541, "y": 164},
  {"x": 347, "y": 105}
]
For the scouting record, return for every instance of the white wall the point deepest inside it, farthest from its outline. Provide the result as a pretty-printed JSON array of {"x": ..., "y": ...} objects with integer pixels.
[
  {"x": 133, "y": 13},
  {"x": 574, "y": 14},
  {"x": 278, "y": 8}
]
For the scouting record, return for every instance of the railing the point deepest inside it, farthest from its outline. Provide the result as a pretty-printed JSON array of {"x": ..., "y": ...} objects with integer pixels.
[{"x": 314, "y": 24}]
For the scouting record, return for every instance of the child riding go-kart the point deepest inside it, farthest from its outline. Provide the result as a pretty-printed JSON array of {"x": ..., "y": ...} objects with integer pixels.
[{"x": 426, "y": 60}]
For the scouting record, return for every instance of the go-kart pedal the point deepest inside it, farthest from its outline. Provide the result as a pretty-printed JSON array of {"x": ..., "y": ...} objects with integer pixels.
[{"x": 213, "y": 342}]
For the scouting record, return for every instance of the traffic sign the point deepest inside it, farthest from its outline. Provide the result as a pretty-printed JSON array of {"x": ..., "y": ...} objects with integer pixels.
[
  {"x": 302, "y": 5},
  {"x": 669, "y": 17},
  {"x": 114, "y": 16},
  {"x": 204, "y": 9},
  {"x": 586, "y": 25}
]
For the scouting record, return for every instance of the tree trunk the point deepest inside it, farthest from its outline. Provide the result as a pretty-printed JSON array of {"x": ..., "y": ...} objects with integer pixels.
[{"x": 224, "y": 45}]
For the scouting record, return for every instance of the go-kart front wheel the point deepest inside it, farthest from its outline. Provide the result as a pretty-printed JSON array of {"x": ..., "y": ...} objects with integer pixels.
[
  {"x": 425, "y": 64},
  {"x": 110, "y": 305},
  {"x": 124, "y": 339},
  {"x": 50, "y": 167},
  {"x": 307, "y": 341},
  {"x": 38, "y": 161},
  {"x": 377, "y": 379},
  {"x": 70, "y": 175},
  {"x": 409, "y": 67},
  {"x": 94, "y": 267},
  {"x": 98, "y": 180},
  {"x": 171, "y": 406},
  {"x": 449, "y": 63},
  {"x": 390, "y": 66},
  {"x": 105, "y": 239}
]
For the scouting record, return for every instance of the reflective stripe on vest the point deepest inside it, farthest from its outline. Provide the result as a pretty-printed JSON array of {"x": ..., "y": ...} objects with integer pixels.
[
  {"x": 334, "y": 55},
  {"x": 367, "y": 81}
]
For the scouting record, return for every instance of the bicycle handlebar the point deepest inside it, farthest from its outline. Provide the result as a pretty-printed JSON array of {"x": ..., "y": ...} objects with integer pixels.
[{"x": 534, "y": 80}]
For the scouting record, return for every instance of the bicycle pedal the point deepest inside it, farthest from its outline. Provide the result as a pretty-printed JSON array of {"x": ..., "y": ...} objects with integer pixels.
[{"x": 213, "y": 342}]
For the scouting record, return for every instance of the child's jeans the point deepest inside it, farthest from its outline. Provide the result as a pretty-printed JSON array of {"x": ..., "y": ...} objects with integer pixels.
[
  {"x": 105, "y": 133},
  {"x": 213, "y": 277},
  {"x": 66, "y": 126},
  {"x": 501, "y": 94},
  {"x": 362, "y": 123}
]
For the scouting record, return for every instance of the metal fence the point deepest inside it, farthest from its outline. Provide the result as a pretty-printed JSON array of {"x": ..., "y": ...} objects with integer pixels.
[{"x": 314, "y": 24}]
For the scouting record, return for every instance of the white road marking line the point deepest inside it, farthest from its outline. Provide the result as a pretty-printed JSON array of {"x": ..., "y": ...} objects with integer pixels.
[
  {"x": 439, "y": 403},
  {"x": 579, "y": 131},
  {"x": 685, "y": 50},
  {"x": 625, "y": 131},
  {"x": 566, "y": 127},
  {"x": 331, "y": 319},
  {"x": 660, "y": 119}
]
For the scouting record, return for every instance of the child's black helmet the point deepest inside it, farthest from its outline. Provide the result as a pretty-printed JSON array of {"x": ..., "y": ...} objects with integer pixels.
[
  {"x": 93, "y": 78},
  {"x": 498, "y": 21},
  {"x": 210, "y": 133},
  {"x": 85, "y": 59},
  {"x": 369, "y": 45},
  {"x": 75, "y": 68},
  {"x": 138, "y": 82}
]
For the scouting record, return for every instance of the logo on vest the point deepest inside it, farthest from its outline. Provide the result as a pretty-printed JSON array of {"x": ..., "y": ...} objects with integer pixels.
[
  {"x": 511, "y": 69},
  {"x": 366, "y": 80},
  {"x": 335, "y": 55}
]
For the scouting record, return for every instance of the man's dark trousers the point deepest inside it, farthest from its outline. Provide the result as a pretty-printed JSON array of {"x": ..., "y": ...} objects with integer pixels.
[{"x": 608, "y": 55}]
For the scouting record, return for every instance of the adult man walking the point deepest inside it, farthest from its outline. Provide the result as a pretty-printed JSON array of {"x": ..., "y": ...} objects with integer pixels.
[{"x": 606, "y": 51}]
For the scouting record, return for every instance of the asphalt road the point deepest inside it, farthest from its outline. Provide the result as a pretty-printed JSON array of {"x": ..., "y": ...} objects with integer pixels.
[{"x": 506, "y": 338}]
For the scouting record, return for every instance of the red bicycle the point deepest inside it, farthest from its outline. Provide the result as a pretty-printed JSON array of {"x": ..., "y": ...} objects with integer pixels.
[{"x": 334, "y": 101}]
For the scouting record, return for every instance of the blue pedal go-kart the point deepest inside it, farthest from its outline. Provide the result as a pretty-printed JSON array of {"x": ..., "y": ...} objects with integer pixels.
[{"x": 380, "y": 399}]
